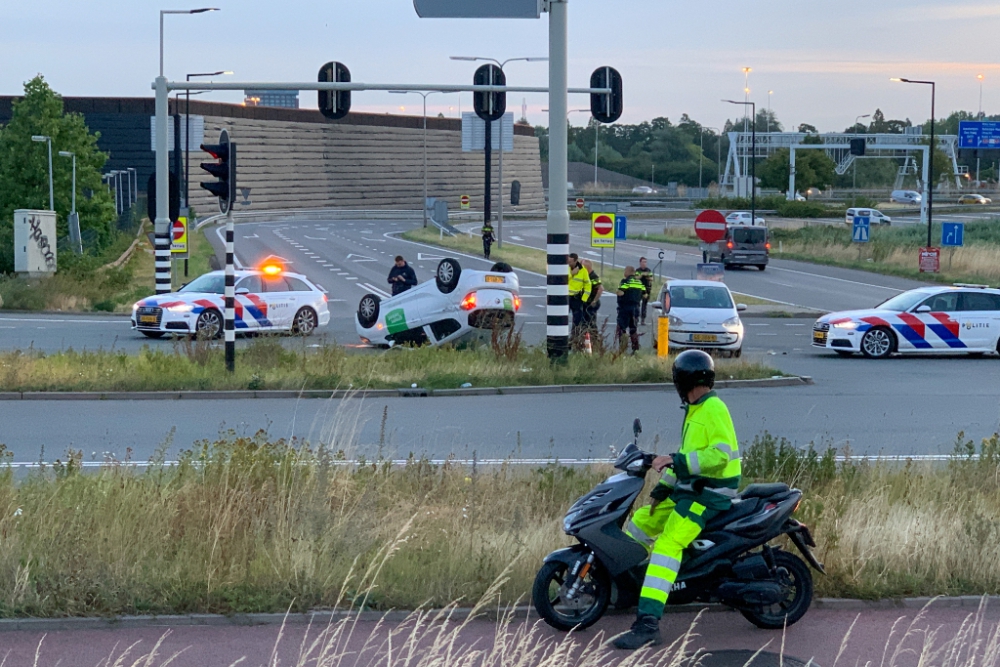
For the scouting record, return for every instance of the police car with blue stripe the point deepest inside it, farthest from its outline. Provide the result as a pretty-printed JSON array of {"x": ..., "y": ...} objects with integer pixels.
[{"x": 962, "y": 319}]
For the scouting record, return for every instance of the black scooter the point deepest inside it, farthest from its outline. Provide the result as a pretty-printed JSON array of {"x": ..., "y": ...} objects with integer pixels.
[{"x": 732, "y": 562}]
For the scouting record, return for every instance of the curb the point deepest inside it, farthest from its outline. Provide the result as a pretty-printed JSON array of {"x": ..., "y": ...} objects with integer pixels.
[
  {"x": 793, "y": 381},
  {"x": 322, "y": 618}
]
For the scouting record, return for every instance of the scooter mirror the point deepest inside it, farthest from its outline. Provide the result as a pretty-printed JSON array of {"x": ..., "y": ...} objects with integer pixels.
[{"x": 636, "y": 427}]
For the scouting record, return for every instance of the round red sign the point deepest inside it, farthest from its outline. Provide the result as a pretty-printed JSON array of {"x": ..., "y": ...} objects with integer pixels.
[
  {"x": 604, "y": 225},
  {"x": 710, "y": 226},
  {"x": 178, "y": 231},
  {"x": 465, "y": 199},
  {"x": 579, "y": 203}
]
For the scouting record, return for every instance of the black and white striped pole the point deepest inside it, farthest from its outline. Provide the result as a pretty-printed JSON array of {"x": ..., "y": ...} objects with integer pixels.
[
  {"x": 557, "y": 222},
  {"x": 161, "y": 225},
  {"x": 225, "y": 190}
]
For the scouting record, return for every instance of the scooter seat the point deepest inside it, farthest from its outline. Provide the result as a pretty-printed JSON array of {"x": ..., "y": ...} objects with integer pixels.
[
  {"x": 763, "y": 490},
  {"x": 739, "y": 510}
]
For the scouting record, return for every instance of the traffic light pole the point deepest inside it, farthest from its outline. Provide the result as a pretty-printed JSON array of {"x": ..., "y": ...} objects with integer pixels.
[
  {"x": 487, "y": 179},
  {"x": 557, "y": 221},
  {"x": 161, "y": 225},
  {"x": 230, "y": 330}
]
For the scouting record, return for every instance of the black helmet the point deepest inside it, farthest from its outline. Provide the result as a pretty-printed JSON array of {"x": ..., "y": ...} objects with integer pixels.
[{"x": 693, "y": 368}]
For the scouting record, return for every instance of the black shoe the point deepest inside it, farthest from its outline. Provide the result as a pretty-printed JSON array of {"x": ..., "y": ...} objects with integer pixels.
[{"x": 645, "y": 632}]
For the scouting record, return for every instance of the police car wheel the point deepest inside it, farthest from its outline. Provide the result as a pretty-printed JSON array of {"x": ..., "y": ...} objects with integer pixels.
[
  {"x": 447, "y": 274},
  {"x": 209, "y": 325},
  {"x": 368, "y": 310},
  {"x": 305, "y": 322},
  {"x": 877, "y": 343}
]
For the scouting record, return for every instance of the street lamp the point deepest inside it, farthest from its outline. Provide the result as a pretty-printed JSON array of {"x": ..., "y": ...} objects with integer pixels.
[
  {"x": 74, "y": 220},
  {"x": 178, "y": 11},
  {"x": 187, "y": 128},
  {"x": 423, "y": 95},
  {"x": 753, "y": 160},
  {"x": 42, "y": 137},
  {"x": 746, "y": 98},
  {"x": 133, "y": 180},
  {"x": 855, "y": 187},
  {"x": 929, "y": 176},
  {"x": 501, "y": 65},
  {"x": 769, "y": 93}
]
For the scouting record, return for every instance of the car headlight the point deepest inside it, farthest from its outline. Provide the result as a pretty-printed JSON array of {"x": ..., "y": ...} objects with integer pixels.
[
  {"x": 181, "y": 308},
  {"x": 676, "y": 321},
  {"x": 732, "y": 322},
  {"x": 846, "y": 325},
  {"x": 135, "y": 306}
]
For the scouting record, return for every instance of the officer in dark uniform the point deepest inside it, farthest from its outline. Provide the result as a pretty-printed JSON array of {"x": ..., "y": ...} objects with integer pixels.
[
  {"x": 645, "y": 275},
  {"x": 630, "y": 294},
  {"x": 489, "y": 238}
]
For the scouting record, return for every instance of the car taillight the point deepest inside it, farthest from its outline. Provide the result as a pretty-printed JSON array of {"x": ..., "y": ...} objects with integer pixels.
[
  {"x": 767, "y": 246},
  {"x": 517, "y": 302},
  {"x": 325, "y": 299},
  {"x": 729, "y": 245},
  {"x": 469, "y": 302}
]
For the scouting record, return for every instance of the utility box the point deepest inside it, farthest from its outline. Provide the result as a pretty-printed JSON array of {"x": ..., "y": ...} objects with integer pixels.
[{"x": 34, "y": 243}]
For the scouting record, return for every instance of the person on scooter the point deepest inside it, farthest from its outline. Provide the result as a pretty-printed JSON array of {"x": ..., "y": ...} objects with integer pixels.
[{"x": 697, "y": 484}]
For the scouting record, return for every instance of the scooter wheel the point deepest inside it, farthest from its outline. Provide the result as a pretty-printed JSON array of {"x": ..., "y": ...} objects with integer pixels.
[
  {"x": 548, "y": 595},
  {"x": 799, "y": 583}
]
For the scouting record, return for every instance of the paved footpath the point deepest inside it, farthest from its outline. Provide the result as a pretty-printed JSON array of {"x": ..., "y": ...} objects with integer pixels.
[{"x": 820, "y": 636}]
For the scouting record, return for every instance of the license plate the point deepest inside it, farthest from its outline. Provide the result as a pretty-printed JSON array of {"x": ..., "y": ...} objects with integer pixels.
[
  {"x": 819, "y": 338},
  {"x": 704, "y": 338},
  {"x": 150, "y": 319},
  {"x": 495, "y": 279}
]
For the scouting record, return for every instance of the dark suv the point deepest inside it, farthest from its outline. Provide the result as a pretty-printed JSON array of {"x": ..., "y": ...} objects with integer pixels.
[{"x": 743, "y": 246}]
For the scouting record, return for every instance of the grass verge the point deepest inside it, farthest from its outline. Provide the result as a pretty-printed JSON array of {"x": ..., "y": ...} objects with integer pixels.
[
  {"x": 249, "y": 524},
  {"x": 266, "y": 364}
]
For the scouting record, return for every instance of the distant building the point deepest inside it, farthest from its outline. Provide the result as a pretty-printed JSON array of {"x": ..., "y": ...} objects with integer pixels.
[{"x": 286, "y": 99}]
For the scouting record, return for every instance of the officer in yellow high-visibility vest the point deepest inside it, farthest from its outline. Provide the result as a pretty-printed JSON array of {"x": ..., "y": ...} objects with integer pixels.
[
  {"x": 698, "y": 483},
  {"x": 579, "y": 294}
]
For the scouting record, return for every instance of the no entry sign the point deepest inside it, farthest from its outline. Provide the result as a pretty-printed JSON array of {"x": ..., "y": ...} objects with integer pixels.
[
  {"x": 579, "y": 203},
  {"x": 602, "y": 232},
  {"x": 178, "y": 236},
  {"x": 465, "y": 201},
  {"x": 710, "y": 226}
]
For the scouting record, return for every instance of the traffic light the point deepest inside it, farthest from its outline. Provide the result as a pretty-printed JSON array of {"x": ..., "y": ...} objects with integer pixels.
[
  {"x": 857, "y": 147},
  {"x": 334, "y": 104},
  {"x": 224, "y": 170},
  {"x": 606, "y": 108},
  {"x": 489, "y": 106},
  {"x": 174, "y": 207}
]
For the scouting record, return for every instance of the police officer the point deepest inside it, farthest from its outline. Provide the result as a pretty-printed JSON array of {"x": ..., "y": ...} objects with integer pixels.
[
  {"x": 630, "y": 294},
  {"x": 698, "y": 483},
  {"x": 579, "y": 294},
  {"x": 645, "y": 275},
  {"x": 596, "y": 290},
  {"x": 489, "y": 238}
]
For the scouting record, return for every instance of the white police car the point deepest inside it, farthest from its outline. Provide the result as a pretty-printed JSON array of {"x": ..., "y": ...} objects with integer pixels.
[
  {"x": 962, "y": 318},
  {"x": 455, "y": 304},
  {"x": 266, "y": 299}
]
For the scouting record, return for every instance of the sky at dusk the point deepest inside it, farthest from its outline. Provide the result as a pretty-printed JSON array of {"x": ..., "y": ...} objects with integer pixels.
[{"x": 826, "y": 62}]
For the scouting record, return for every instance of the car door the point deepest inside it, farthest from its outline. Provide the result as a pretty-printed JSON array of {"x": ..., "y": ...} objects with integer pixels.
[
  {"x": 248, "y": 297},
  {"x": 933, "y": 324},
  {"x": 277, "y": 301},
  {"x": 980, "y": 319}
]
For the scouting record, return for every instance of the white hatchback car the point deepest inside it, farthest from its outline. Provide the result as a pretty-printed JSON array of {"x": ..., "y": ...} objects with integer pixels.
[
  {"x": 269, "y": 300},
  {"x": 702, "y": 316},
  {"x": 874, "y": 217},
  {"x": 743, "y": 218},
  {"x": 455, "y": 305}
]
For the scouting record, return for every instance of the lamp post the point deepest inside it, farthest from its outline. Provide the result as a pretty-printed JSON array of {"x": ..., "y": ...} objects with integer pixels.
[
  {"x": 74, "y": 220},
  {"x": 980, "y": 117},
  {"x": 178, "y": 11},
  {"x": 47, "y": 139},
  {"x": 753, "y": 160},
  {"x": 929, "y": 176},
  {"x": 746, "y": 98},
  {"x": 501, "y": 65},
  {"x": 769, "y": 93},
  {"x": 423, "y": 95},
  {"x": 855, "y": 186},
  {"x": 187, "y": 128}
]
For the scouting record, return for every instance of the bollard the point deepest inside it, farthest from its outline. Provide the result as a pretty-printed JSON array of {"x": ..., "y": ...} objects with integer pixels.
[{"x": 662, "y": 333}]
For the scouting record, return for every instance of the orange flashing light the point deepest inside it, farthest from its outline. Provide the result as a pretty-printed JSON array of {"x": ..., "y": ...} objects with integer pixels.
[
  {"x": 729, "y": 245},
  {"x": 517, "y": 302},
  {"x": 271, "y": 269},
  {"x": 767, "y": 245},
  {"x": 469, "y": 302}
]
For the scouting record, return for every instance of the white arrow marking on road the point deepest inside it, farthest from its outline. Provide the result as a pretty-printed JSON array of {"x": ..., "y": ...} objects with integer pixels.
[
  {"x": 314, "y": 238},
  {"x": 372, "y": 288},
  {"x": 360, "y": 258},
  {"x": 251, "y": 236},
  {"x": 422, "y": 257},
  {"x": 516, "y": 238}
]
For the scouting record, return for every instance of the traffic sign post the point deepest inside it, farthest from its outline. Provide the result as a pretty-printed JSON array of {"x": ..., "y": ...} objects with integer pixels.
[
  {"x": 978, "y": 134},
  {"x": 952, "y": 234},
  {"x": 930, "y": 260},
  {"x": 861, "y": 230},
  {"x": 602, "y": 230}
]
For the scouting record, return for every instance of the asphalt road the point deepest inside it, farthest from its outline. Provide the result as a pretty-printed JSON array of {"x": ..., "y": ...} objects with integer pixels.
[{"x": 828, "y": 637}]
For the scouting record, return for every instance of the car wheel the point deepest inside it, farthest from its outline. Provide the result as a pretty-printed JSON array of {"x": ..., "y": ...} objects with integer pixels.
[
  {"x": 209, "y": 325},
  {"x": 877, "y": 343},
  {"x": 738, "y": 352},
  {"x": 152, "y": 334},
  {"x": 447, "y": 275},
  {"x": 368, "y": 310},
  {"x": 305, "y": 322},
  {"x": 502, "y": 267},
  {"x": 704, "y": 257},
  {"x": 761, "y": 267}
]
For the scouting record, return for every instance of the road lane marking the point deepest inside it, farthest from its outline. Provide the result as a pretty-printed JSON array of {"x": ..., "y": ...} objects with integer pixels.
[
  {"x": 123, "y": 320},
  {"x": 372, "y": 288}
]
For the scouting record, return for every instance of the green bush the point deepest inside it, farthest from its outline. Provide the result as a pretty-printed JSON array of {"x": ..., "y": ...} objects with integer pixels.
[
  {"x": 18, "y": 294},
  {"x": 802, "y": 209},
  {"x": 768, "y": 203}
]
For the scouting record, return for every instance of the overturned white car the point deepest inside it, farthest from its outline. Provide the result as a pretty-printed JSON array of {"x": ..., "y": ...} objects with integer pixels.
[{"x": 456, "y": 304}]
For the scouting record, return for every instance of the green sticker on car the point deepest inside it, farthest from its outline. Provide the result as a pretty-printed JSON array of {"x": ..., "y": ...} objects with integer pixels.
[
  {"x": 395, "y": 321},
  {"x": 508, "y": 304}
]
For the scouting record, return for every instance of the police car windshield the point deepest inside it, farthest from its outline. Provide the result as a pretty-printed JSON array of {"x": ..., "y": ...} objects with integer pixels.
[
  {"x": 207, "y": 284},
  {"x": 902, "y": 302},
  {"x": 699, "y": 296}
]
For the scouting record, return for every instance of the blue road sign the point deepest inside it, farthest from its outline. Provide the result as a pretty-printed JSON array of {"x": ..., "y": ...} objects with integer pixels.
[
  {"x": 862, "y": 227},
  {"x": 952, "y": 233},
  {"x": 621, "y": 225},
  {"x": 978, "y": 134}
]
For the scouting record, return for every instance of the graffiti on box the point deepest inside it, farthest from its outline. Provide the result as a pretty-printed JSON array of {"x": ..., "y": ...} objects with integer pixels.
[{"x": 43, "y": 242}]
